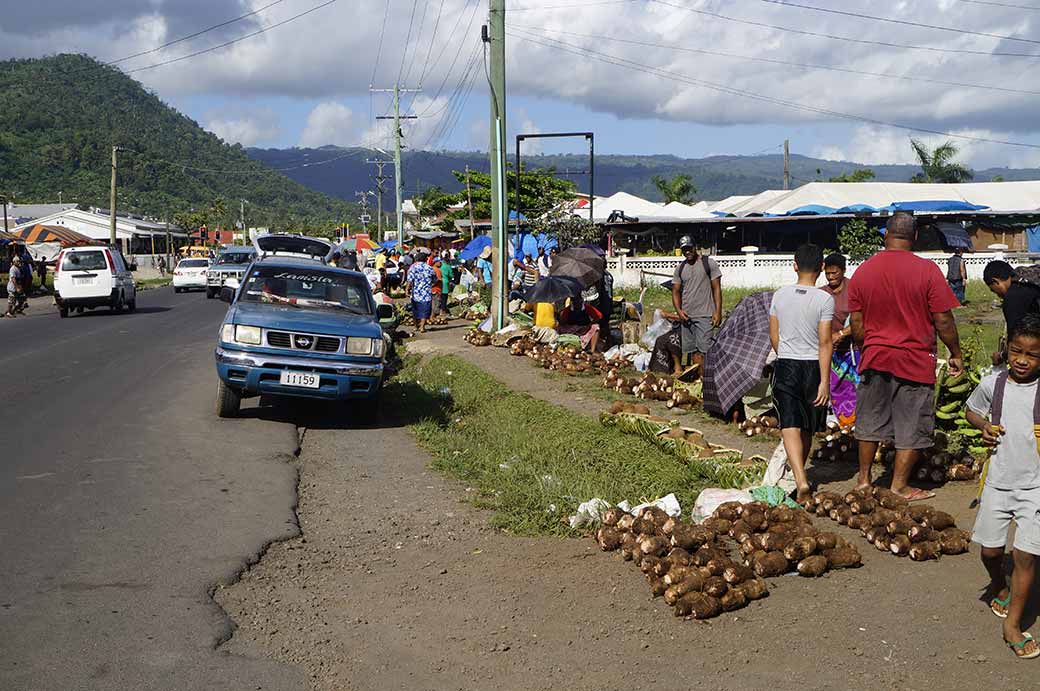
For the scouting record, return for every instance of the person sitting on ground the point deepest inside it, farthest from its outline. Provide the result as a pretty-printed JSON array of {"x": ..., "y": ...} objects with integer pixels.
[
  {"x": 898, "y": 303},
  {"x": 1004, "y": 407},
  {"x": 666, "y": 357},
  {"x": 800, "y": 331},
  {"x": 957, "y": 273},
  {"x": 580, "y": 319},
  {"x": 1019, "y": 297}
]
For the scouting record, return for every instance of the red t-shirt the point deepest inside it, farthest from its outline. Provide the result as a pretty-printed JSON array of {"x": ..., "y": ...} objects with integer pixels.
[{"x": 898, "y": 292}]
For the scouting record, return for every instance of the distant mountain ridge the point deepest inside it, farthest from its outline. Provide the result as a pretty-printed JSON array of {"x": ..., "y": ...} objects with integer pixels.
[{"x": 715, "y": 177}]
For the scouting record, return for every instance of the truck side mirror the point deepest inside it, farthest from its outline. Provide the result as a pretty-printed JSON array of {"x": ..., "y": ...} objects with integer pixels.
[{"x": 384, "y": 311}]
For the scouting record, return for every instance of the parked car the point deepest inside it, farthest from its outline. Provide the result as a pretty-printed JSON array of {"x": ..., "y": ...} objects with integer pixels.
[
  {"x": 298, "y": 327},
  {"x": 91, "y": 277},
  {"x": 189, "y": 274},
  {"x": 230, "y": 263}
]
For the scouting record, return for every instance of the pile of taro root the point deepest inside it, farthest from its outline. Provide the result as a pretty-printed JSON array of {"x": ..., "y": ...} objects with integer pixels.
[
  {"x": 839, "y": 444},
  {"x": 760, "y": 424},
  {"x": 566, "y": 359},
  {"x": 650, "y": 387},
  {"x": 888, "y": 522},
  {"x": 691, "y": 566},
  {"x": 477, "y": 337}
]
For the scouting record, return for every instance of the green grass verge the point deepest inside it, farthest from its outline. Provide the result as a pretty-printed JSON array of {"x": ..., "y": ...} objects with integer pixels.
[
  {"x": 154, "y": 282},
  {"x": 657, "y": 297},
  {"x": 528, "y": 461}
]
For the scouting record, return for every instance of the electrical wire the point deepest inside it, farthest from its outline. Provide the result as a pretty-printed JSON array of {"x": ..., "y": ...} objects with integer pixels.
[
  {"x": 418, "y": 40},
  {"x": 407, "y": 40},
  {"x": 567, "y": 7},
  {"x": 1001, "y": 4},
  {"x": 774, "y": 61},
  {"x": 722, "y": 88},
  {"x": 901, "y": 22},
  {"x": 379, "y": 46},
  {"x": 847, "y": 39},
  {"x": 433, "y": 39},
  {"x": 461, "y": 43}
]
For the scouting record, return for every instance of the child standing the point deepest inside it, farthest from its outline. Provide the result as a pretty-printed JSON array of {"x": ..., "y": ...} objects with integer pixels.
[
  {"x": 800, "y": 330},
  {"x": 1006, "y": 407}
]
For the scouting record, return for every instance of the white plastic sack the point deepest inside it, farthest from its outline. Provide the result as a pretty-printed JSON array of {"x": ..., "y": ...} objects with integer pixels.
[
  {"x": 642, "y": 361},
  {"x": 589, "y": 513},
  {"x": 659, "y": 327},
  {"x": 486, "y": 326},
  {"x": 668, "y": 503},
  {"x": 778, "y": 473},
  {"x": 709, "y": 499}
]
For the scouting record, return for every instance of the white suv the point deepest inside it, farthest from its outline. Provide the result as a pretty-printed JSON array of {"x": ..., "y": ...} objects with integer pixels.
[{"x": 89, "y": 277}]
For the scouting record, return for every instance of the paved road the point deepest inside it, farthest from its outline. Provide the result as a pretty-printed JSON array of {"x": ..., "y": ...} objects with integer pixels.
[{"x": 124, "y": 501}]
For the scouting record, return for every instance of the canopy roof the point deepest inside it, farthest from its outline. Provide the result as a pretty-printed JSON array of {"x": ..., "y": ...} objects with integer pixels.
[{"x": 48, "y": 233}]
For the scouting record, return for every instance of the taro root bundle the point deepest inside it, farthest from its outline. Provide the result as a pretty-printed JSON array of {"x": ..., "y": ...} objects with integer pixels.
[
  {"x": 437, "y": 320},
  {"x": 891, "y": 524},
  {"x": 635, "y": 408},
  {"x": 761, "y": 424},
  {"x": 836, "y": 444},
  {"x": 774, "y": 540},
  {"x": 477, "y": 337},
  {"x": 940, "y": 466},
  {"x": 683, "y": 562},
  {"x": 682, "y": 398}
]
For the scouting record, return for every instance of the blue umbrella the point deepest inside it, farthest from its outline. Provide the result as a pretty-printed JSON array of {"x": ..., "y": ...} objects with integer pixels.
[{"x": 474, "y": 247}]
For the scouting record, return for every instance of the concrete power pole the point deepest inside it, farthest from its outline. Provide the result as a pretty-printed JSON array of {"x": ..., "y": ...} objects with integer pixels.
[
  {"x": 469, "y": 205},
  {"x": 242, "y": 219},
  {"x": 787, "y": 164},
  {"x": 365, "y": 218},
  {"x": 380, "y": 179},
  {"x": 398, "y": 136},
  {"x": 112, "y": 199},
  {"x": 495, "y": 36}
]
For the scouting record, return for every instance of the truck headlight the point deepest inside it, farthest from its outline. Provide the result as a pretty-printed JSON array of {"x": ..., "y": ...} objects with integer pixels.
[
  {"x": 227, "y": 333},
  {"x": 359, "y": 346},
  {"x": 247, "y": 335}
]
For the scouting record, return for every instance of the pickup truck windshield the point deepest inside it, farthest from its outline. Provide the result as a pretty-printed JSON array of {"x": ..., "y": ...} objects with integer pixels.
[
  {"x": 235, "y": 258},
  {"x": 308, "y": 288}
]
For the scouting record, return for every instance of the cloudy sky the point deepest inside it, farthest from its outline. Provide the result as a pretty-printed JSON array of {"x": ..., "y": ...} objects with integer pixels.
[{"x": 684, "y": 77}]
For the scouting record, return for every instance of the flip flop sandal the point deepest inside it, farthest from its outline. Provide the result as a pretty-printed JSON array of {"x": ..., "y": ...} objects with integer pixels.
[
  {"x": 1005, "y": 603},
  {"x": 1021, "y": 646},
  {"x": 920, "y": 495}
]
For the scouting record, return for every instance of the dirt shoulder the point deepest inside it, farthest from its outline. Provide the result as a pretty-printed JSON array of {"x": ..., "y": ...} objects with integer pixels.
[{"x": 396, "y": 583}]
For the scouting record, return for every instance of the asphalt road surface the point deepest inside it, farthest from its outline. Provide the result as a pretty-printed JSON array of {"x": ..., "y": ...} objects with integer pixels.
[{"x": 124, "y": 501}]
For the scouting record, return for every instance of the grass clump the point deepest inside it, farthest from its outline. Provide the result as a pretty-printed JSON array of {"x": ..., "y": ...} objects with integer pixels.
[{"x": 528, "y": 461}]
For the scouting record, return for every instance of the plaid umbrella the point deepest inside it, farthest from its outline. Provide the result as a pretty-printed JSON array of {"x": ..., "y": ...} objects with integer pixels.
[
  {"x": 734, "y": 362},
  {"x": 580, "y": 263}
]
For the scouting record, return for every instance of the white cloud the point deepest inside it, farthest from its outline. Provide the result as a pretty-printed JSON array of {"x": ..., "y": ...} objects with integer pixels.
[
  {"x": 247, "y": 129},
  {"x": 882, "y": 145},
  {"x": 329, "y": 123}
]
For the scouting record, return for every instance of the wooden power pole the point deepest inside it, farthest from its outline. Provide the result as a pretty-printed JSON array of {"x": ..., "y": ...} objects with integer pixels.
[
  {"x": 469, "y": 205},
  {"x": 112, "y": 199},
  {"x": 787, "y": 164}
]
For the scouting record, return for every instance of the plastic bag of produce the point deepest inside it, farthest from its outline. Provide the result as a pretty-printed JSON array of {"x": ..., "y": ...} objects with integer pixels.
[
  {"x": 659, "y": 327},
  {"x": 589, "y": 513},
  {"x": 709, "y": 499},
  {"x": 642, "y": 361}
]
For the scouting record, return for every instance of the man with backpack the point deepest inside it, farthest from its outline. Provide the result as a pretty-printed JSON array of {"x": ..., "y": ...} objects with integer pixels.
[
  {"x": 1019, "y": 290},
  {"x": 697, "y": 298}
]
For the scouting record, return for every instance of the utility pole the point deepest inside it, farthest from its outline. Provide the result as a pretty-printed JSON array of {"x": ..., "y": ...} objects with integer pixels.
[
  {"x": 365, "y": 218},
  {"x": 494, "y": 34},
  {"x": 4, "y": 200},
  {"x": 469, "y": 205},
  {"x": 787, "y": 164},
  {"x": 112, "y": 199},
  {"x": 380, "y": 179},
  {"x": 242, "y": 219},
  {"x": 398, "y": 136}
]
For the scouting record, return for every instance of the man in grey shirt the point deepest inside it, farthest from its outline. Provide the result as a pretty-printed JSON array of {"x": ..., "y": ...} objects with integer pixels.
[
  {"x": 697, "y": 298},
  {"x": 800, "y": 331}
]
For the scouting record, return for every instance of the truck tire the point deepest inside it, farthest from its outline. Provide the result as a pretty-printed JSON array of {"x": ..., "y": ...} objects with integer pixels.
[
  {"x": 210, "y": 293},
  {"x": 228, "y": 402},
  {"x": 118, "y": 306},
  {"x": 63, "y": 312}
]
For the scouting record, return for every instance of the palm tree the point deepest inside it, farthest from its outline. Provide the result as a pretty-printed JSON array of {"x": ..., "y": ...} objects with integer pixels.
[
  {"x": 937, "y": 165},
  {"x": 678, "y": 188}
]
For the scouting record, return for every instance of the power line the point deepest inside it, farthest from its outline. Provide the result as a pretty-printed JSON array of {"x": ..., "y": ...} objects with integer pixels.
[
  {"x": 418, "y": 40},
  {"x": 469, "y": 26},
  {"x": 1001, "y": 4},
  {"x": 235, "y": 40},
  {"x": 433, "y": 39},
  {"x": 847, "y": 39},
  {"x": 833, "y": 68},
  {"x": 902, "y": 22},
  {"x": 407, "y": 40},
  {"x": 722, "y": 88},
  {"x": 379, "y": 46},
  {"x": 567, "y": 7}
]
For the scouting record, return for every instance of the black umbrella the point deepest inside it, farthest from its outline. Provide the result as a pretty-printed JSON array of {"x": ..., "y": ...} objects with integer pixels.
[
  {"x": 553, "y": 289},
  {"x": 580, "y": 263}
]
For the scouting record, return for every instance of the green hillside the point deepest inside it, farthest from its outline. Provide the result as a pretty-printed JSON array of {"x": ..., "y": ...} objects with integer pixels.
[{"x": 60, "y": 117}]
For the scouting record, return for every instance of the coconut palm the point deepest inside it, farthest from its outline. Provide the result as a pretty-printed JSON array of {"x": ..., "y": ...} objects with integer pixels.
[
  {"x": 937, "y": 165},
  {"x": 678, "y": 188}
]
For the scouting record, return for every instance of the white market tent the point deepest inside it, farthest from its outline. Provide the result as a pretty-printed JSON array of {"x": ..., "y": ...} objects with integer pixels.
[
  {"x": 996, "y": 196},
  {"x": 686, "y": 211}
]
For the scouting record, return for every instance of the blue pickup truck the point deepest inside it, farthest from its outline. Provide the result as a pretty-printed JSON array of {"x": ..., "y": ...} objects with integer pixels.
[{"x": 298, "y": 327}]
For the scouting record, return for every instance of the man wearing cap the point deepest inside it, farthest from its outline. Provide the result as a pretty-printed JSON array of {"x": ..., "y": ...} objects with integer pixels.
[
  {"x": 15, "y": 295},
  {"x": 697, "y": 298}
]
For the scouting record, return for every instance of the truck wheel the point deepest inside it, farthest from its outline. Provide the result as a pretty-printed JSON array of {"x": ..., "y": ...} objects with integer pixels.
[
  {"x": 210, "y": 293},
  {"x": 176, "y": 290},
  {"x": 118, "y": 306},
  {"x": 132, "y": 304},
  {"x": 228, "y": 402},
  {"x": 63, "y": 312}
]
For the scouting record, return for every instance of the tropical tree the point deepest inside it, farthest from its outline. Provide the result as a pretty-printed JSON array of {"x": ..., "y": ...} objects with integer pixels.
[
  {"x": 937, "y": 165},
  {"x": 678, "y": 188},
  {"x": 861, "y": 175},
  {"x": 859, "y": 241},
  {"x": 540, "y": 191}
]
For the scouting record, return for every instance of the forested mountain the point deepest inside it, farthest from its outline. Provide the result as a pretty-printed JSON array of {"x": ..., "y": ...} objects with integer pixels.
[
  {"x": 61, "y": 116},
  {"x": 715, "y": 177}
]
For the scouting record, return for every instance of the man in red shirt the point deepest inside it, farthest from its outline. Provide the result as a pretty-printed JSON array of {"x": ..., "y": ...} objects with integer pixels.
[{"x": 898, "y": 302}]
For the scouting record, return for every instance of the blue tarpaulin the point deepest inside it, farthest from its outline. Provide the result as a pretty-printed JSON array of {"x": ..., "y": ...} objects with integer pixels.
[
  {"x": 1033, "y": 238},
  {"x": 856, "y": 209},
  {"x": 526, "y": 243},
  {"x": 474, "y": 247},
  {"x": 934, "y": 205},
  {"x": 811, "y": 210}
]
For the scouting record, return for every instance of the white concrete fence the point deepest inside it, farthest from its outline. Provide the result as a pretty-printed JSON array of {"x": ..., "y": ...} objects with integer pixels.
[{"x": 754, "y": 270}]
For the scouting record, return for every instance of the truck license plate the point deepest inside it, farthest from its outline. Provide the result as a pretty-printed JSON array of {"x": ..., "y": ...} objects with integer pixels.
[{"x": 304, "y": 379}]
